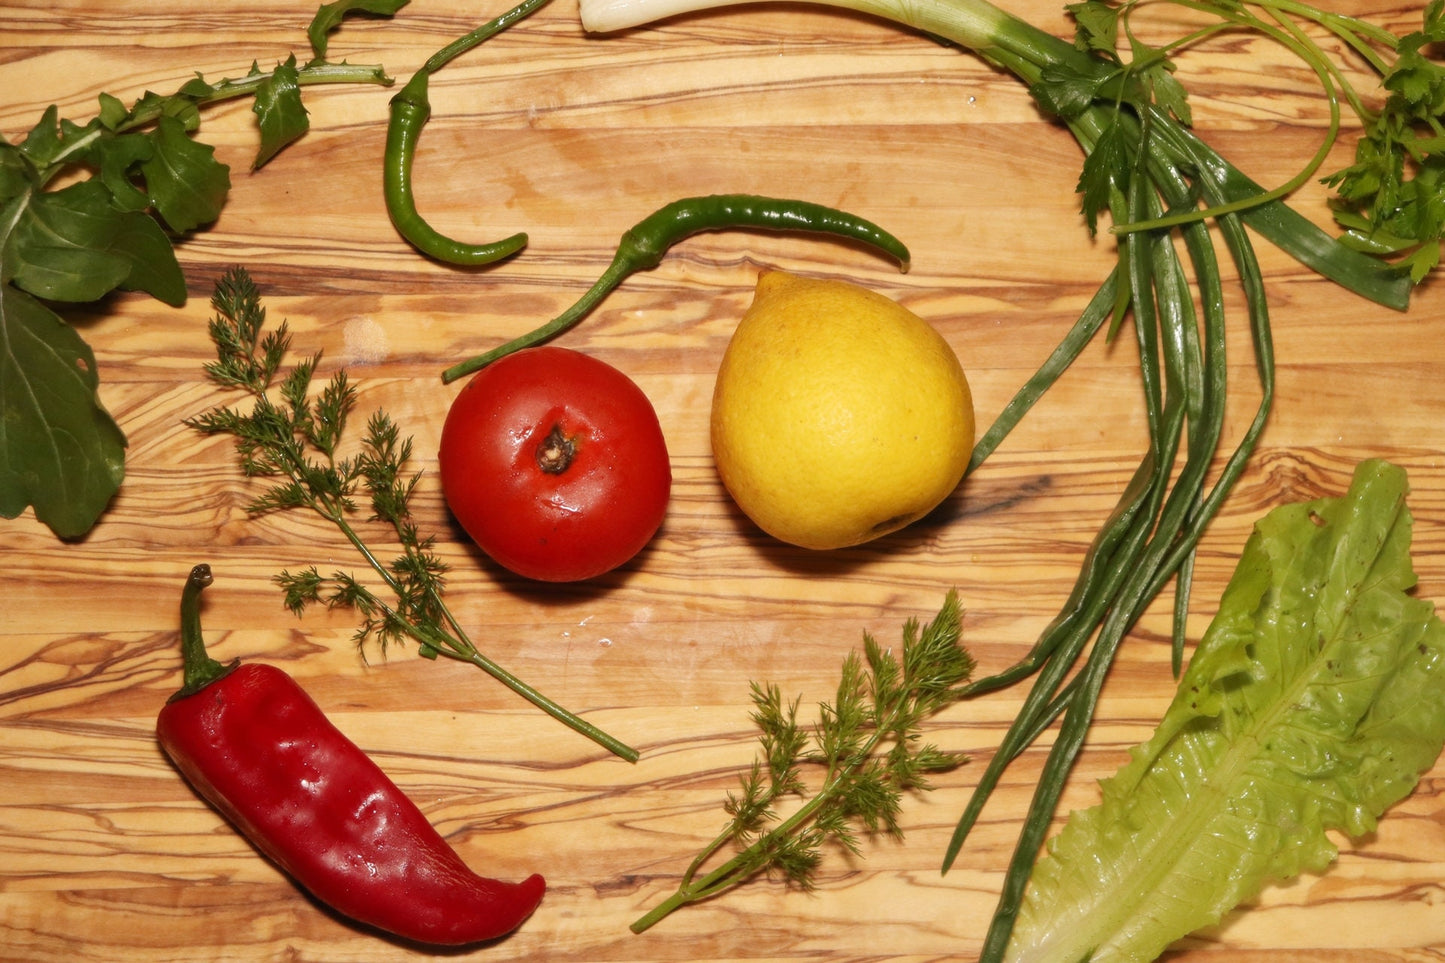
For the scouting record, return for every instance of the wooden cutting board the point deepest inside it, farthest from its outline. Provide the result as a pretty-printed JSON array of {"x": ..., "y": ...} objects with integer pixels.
[{"x": 106, "y": 855}]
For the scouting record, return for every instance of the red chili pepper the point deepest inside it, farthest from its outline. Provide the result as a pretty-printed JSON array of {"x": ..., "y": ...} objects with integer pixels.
[{"x": 253, "y": 743}]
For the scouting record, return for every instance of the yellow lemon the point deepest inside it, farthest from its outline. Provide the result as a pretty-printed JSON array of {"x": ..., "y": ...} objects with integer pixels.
[{"x": 838, "y": 415}]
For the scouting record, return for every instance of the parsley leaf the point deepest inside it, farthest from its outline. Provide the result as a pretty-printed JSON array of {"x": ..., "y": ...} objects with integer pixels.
[
  {"x": 1106, "y": 172},
  {"x": 1391, "y": 200}
]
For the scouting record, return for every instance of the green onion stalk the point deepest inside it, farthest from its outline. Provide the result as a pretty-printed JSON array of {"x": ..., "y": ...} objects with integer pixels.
[{"x": 1162, "y": 188}]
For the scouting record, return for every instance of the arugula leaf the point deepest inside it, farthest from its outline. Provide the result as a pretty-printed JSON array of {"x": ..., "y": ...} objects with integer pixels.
[
  {"x": 1313, "y": 703},
  {"x": 187, "y": 184},
  {"x": 127, "y": 171},
  {"x": 59, "y": 449},
  {"x": 116, "y": 158},
  {"x": 279, "y": 112},
  {"x": 72, "y": 245},
  {"x": 43, "y": 142},
  {"x": 15, "y": 173}
]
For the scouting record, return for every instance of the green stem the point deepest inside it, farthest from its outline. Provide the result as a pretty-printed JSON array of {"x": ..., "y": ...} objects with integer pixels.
[
  {"x": 1354, "y": 31},
  {"x": 484, "y": 32},
  {"x": 1289, "y": 37},
  {"x": 735, "y": 871},
  {"x": 228, "y": 89},
  {"x": 351, "y": 536},
  {"x": 199, "y": 669},
  {"x": 607, "y": 282},
  {"x": 456, "y": 645},
  {"x": 468, "y": 652}
]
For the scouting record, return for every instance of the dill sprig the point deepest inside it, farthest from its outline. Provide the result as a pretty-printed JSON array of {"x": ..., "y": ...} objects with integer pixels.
[
  {"x": 292, "y": 434},
  {"x": 866, "y": 745}
]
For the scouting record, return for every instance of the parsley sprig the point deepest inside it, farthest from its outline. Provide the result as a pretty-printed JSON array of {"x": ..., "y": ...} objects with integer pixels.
[
  {"x": 1391, "y": 199},
  {"x": 866, "y": 744},
  {"x": 293, "y": 435}
]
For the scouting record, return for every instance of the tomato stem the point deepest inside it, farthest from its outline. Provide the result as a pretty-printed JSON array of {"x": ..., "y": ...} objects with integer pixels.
[{"x": 556, "y": 452}]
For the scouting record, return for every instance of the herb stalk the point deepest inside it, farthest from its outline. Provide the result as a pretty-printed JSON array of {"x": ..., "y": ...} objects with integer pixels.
[{"x": 867, "y": 744}]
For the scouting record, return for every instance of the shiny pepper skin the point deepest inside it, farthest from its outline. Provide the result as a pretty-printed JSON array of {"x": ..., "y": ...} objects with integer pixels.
[{"x": 259, "y": 749}]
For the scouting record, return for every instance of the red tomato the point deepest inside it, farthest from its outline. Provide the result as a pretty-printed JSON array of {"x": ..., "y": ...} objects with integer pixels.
[{"x": 555, "y": 464}]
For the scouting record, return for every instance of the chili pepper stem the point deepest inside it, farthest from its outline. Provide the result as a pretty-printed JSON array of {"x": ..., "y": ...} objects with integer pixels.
[
  {"x": 487, "y": 30},
  {"x": 616, "y": 272},
  {"x": 199, "y": 669}
]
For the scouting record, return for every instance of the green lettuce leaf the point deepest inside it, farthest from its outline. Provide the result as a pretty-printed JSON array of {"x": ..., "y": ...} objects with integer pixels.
[{"x": 1314, "y": 701}]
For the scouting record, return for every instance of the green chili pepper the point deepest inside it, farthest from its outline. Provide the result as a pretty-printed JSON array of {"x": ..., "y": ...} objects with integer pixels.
[
  {"x": 643, "y": 246},
  {"x": 410, "y": 110}
]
